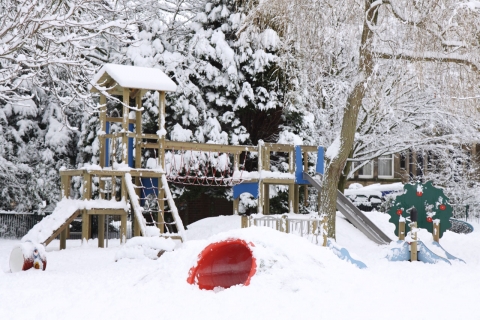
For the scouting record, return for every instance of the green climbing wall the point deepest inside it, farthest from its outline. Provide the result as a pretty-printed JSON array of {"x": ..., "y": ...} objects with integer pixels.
[{"x": 429, "y": 201}]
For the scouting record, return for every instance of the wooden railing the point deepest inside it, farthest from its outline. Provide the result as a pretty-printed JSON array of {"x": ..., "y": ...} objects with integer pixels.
[{"x": 309, "y": 226}]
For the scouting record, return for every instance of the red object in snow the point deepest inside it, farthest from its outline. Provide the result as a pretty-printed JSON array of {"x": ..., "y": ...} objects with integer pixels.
[
  {"x": 399, "y": 212},
  {"x": 429, "y": 219},
  {"x": 442, "y": 207},
  {"x": 224, "y": 264},
  {"x": 19, "y": 262},
  {"x": 419, "y": 193}
]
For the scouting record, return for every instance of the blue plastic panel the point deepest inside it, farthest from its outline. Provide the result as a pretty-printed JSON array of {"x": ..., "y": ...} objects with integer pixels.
[
  {"x": 130, "y": 147},
  {"x": 249, "y": 187},
  {"x": 107, "y": 146},
  {"x": 299, "y": 166},
  {"x": 320, "y": 160}
]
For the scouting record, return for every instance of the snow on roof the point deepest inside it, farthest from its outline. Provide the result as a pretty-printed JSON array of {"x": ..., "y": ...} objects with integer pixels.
[{"x": 136, "y": 77}]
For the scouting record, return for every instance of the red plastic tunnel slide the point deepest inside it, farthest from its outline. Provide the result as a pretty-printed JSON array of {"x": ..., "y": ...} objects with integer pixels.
[{"x": 224, "y": 264}]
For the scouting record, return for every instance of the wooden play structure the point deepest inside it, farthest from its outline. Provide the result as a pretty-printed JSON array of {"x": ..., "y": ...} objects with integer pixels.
[{"x": 121, "y": 181}]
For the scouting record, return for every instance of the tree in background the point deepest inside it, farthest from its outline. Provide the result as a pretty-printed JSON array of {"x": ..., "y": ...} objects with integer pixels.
[
  {"x": 340, "y": 52},
  {"x": 48, "y": 52},
  {"x": 231, "y": 89}
]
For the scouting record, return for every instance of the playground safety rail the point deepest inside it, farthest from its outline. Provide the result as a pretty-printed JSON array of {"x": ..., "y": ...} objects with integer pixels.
[{"x": 307, "y": 226}]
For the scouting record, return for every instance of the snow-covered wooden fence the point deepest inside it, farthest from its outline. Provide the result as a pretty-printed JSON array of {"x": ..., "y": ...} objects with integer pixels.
[{"x": 306, "y": 225}]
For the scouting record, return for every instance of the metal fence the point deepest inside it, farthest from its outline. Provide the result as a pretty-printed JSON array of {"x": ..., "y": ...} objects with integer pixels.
[
  {"x": 469, "y": 213},
  {"x": 16, "y": 225}
]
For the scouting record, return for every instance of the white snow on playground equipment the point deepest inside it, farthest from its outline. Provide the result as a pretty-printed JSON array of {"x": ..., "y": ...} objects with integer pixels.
[
  {"x": 153, "y": 231},
  {"x": 136, "y": 77},
  {"x": 64, "y": 210}
]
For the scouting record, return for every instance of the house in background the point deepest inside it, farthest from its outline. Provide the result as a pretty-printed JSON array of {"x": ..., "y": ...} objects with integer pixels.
[{"x": 403, "y": 167}]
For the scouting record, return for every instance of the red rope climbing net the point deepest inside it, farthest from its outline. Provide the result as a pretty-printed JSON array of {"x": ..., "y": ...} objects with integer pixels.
[{"x": 203, "y": 168}]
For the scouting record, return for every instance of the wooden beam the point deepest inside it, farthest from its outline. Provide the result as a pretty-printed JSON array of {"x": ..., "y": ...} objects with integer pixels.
[
  {"x": 118, "y": 119},
  {"x": 62, "y": 227},
  {"x": 72, "y": 172},
  {"x": 278, "y": 181},
  {"x": 103, "y": 211},
  {"x": 125, "y": 122},
  {"x": 178, "y": 145}
]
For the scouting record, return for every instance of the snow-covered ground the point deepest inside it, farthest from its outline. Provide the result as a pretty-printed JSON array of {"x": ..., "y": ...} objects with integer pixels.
[{"x": 294, "y": 280}]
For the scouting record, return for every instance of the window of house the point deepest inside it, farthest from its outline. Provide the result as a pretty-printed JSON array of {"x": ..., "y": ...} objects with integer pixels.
[
  {"x": 366, "y": 171},
  {"x": 385, "y": 166},
  {"x": 403, "y": 161}
]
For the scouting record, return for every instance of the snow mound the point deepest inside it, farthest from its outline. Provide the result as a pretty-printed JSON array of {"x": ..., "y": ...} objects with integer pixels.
[
  {"x": 208, "y": 227},
  {"x": 144, "y": 247},
  {"x": 284, "y": 261}
]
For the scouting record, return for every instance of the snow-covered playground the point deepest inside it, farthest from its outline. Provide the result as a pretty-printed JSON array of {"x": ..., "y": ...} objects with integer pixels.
[{"x": 295, "y": 279}]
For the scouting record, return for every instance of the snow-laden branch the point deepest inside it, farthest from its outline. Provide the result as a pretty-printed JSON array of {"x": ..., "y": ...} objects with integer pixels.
[{"x": 428, "y": 56}]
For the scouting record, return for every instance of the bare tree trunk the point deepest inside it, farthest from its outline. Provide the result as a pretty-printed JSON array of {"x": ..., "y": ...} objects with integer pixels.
[
  {"x": 335, "y": 166},
  {"x": 344, "y": 176}
]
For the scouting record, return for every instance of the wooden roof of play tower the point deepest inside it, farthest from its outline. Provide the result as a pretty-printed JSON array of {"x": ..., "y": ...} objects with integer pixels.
[{"x": 117, "y": 77}]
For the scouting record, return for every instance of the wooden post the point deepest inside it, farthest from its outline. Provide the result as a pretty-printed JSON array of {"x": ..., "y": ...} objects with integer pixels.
[
  {"x": 161, "y": 128},
  {"x": 103, "y": 128},
  {"x": 266, "y": 187},
  {"x": 236, "y": 203},
  {"x": 101, "y": 231},
  {"x": 436, "y": 231},
  {"x": 123, "y": 217},
  {"x": 296, "y": 203},
  {"x": 236, "y": 167},
  {"x": 401, "y": 230},
  {"x": 244, "y": 221},
  {"x": 413, "y": 244},
  {"x": 65, "y": 180},
  {"x": 138, "y": 155},
  {"x": 161, "y": 206},
  {"x": 266, "y": 158},
  {"x": 125, "y": 121},
  {"x": 266, "y": 201},
  {"x": 291, "y": 198},
  {"x": 236, "y": 161},
  {"x": 261, "y": 189},
  {"x": 123, "y": 228},
  {"x": 283, "y": 223},
  {"x": 138, "y": 131},
  {"x": 87, "y": 194},
  {"x": 113, "y": 195},
  {"x": 101, "y": 182}
]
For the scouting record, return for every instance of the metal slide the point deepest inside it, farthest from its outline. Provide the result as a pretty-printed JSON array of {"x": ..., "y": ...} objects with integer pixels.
[{"x": 354, "y": 215}]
